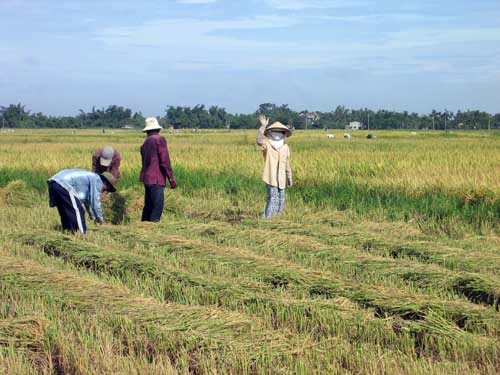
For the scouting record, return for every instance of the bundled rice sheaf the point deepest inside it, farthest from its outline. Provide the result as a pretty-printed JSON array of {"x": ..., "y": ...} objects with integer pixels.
[
  {"x": 116, "y": 207},
  {"x": 16, "y": 194}
]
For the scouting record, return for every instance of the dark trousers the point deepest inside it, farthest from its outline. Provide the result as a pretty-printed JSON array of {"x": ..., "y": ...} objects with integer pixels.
[
  {"x": 69, "y": 207},
  {"x": 153, "y": 202}
]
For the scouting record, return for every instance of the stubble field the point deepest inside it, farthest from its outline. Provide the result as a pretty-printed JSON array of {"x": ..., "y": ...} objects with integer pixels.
[{"x": 387, "y": 260}]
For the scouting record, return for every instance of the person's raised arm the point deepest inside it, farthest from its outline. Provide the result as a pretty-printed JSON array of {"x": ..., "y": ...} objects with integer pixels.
[{"x": 264, "y": 121}]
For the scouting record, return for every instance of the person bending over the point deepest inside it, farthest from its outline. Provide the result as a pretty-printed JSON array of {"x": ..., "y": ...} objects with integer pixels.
[{"x": 72, "y": 189}]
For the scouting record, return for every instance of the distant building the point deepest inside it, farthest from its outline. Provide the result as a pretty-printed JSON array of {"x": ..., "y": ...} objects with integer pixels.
[
  {"x": 310, "y": 117},
  {"x": 354, "y": 125},
  {"x": 128, "y": 127}
]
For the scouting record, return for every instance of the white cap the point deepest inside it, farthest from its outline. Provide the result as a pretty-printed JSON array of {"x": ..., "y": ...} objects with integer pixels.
[{"x": 107, "y": 154}]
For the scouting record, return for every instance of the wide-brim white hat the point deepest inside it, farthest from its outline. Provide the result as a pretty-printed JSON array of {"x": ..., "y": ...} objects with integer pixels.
[{"x": 151, "y": 124}]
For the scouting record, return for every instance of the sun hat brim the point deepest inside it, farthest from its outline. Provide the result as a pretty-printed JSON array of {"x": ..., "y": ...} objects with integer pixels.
[
  {"x": 153, "y": 127},
  {"x": 278, "y": 126},
  {"x": 110, "y": 179},
  {"x": 151, "y": 124},
  {"x": 105, "y": 162}
]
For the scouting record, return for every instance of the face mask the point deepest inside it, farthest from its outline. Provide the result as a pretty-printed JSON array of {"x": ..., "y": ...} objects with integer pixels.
[{"x": 277, "y": 136}]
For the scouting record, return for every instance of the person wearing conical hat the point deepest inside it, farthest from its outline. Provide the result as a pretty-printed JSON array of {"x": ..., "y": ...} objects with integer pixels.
[
  {"x": 277, "y": 172},
  {"x": 155, "y": 171}
]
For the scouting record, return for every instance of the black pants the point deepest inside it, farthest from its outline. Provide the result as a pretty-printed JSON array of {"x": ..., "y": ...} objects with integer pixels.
[
  {"x": 69, "y": 207},
  {"x": 153, "y": 202}
]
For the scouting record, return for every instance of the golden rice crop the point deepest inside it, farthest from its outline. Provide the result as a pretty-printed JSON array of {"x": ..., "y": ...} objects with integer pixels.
[{"x": 386, "y": 260}]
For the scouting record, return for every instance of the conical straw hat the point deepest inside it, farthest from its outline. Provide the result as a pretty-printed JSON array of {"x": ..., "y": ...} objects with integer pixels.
[{"x": 278, "y": 126}]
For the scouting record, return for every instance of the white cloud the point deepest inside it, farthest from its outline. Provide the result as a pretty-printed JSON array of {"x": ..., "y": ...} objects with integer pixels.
[
  {"x": 186, "y": 32},
  {"x": 196, "y": 1},
  {"x": 9, "y": 55},
  {"x": 201, "y": 44},
  {"x": 388, "y": 17},
  {"x": 305, "y": 4},
  {"x": 13, "y": 3},
  {"x": 421, "y": 38}
]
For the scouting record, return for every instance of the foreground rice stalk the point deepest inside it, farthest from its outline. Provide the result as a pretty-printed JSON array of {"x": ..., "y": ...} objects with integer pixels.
[
  {"x": 202, "y": 331},
  {"x": 319, "y": 317}
]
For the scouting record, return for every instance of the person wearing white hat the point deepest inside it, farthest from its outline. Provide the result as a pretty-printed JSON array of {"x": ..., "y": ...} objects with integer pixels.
[
  {"x": 277, "y": 172},
  {"x": 107, "y": 159},
  {"x": 156, "y": 169}
]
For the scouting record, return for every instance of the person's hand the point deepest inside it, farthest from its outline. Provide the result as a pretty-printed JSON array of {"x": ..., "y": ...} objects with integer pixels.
[
  {"x": 289, "y": 182},
  {"x": 264, "y": 121},
  {"x": 99, "y": 222},
  {"x": 173, "y": 185}
]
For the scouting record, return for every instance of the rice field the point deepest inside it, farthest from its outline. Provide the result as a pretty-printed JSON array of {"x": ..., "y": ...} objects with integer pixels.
[{"x": 387, "y": 260}]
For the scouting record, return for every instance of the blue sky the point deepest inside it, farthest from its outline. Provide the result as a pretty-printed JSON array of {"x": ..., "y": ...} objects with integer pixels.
[{"x": 58, "y": 56}]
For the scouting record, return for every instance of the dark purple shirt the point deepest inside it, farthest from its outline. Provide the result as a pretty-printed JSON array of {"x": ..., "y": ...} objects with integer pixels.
[
  {"x": 113, "y": 168},
  {"x": 156, "y": 168}
]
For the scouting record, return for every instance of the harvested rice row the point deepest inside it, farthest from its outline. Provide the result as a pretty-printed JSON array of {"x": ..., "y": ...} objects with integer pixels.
[
  {"x": 84, "y": 344},
  {"x": 428, "y": 253},
  {"x": 23, "y": 333},
  {"x": 79, "y": 344},
  {"x": 285, "y": 274},
  {"x": 187, "y": 328},
  {"x": 318, "y": 318},
  {"x": 425, "y": 250},
  {"x": 178, "y": 285},
  {"x": 22, "y": 342},
  {"x": 338, "y": 258}
]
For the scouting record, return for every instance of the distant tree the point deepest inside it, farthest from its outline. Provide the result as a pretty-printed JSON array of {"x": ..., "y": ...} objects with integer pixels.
[
  {"x": 266, "y": 109},
  {"x": 495, "y": 121},
  {"x": 242, "y": 121},
  {"x": 218, "y": 116},
  {"x": 137, "y": 120},
  {"x": 215, "y": 117},
  {"x": 281, "y": 113},
  {"x": 179, "y": 117},
  {"x": 13, "y": 115}
]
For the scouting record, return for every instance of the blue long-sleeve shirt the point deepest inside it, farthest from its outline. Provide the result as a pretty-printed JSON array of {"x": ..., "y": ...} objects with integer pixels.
[{"x": 86, "y": 186}]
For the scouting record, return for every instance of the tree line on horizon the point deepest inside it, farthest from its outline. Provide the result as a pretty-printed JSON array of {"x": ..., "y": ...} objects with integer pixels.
[{"x": 215, "y": 117}]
